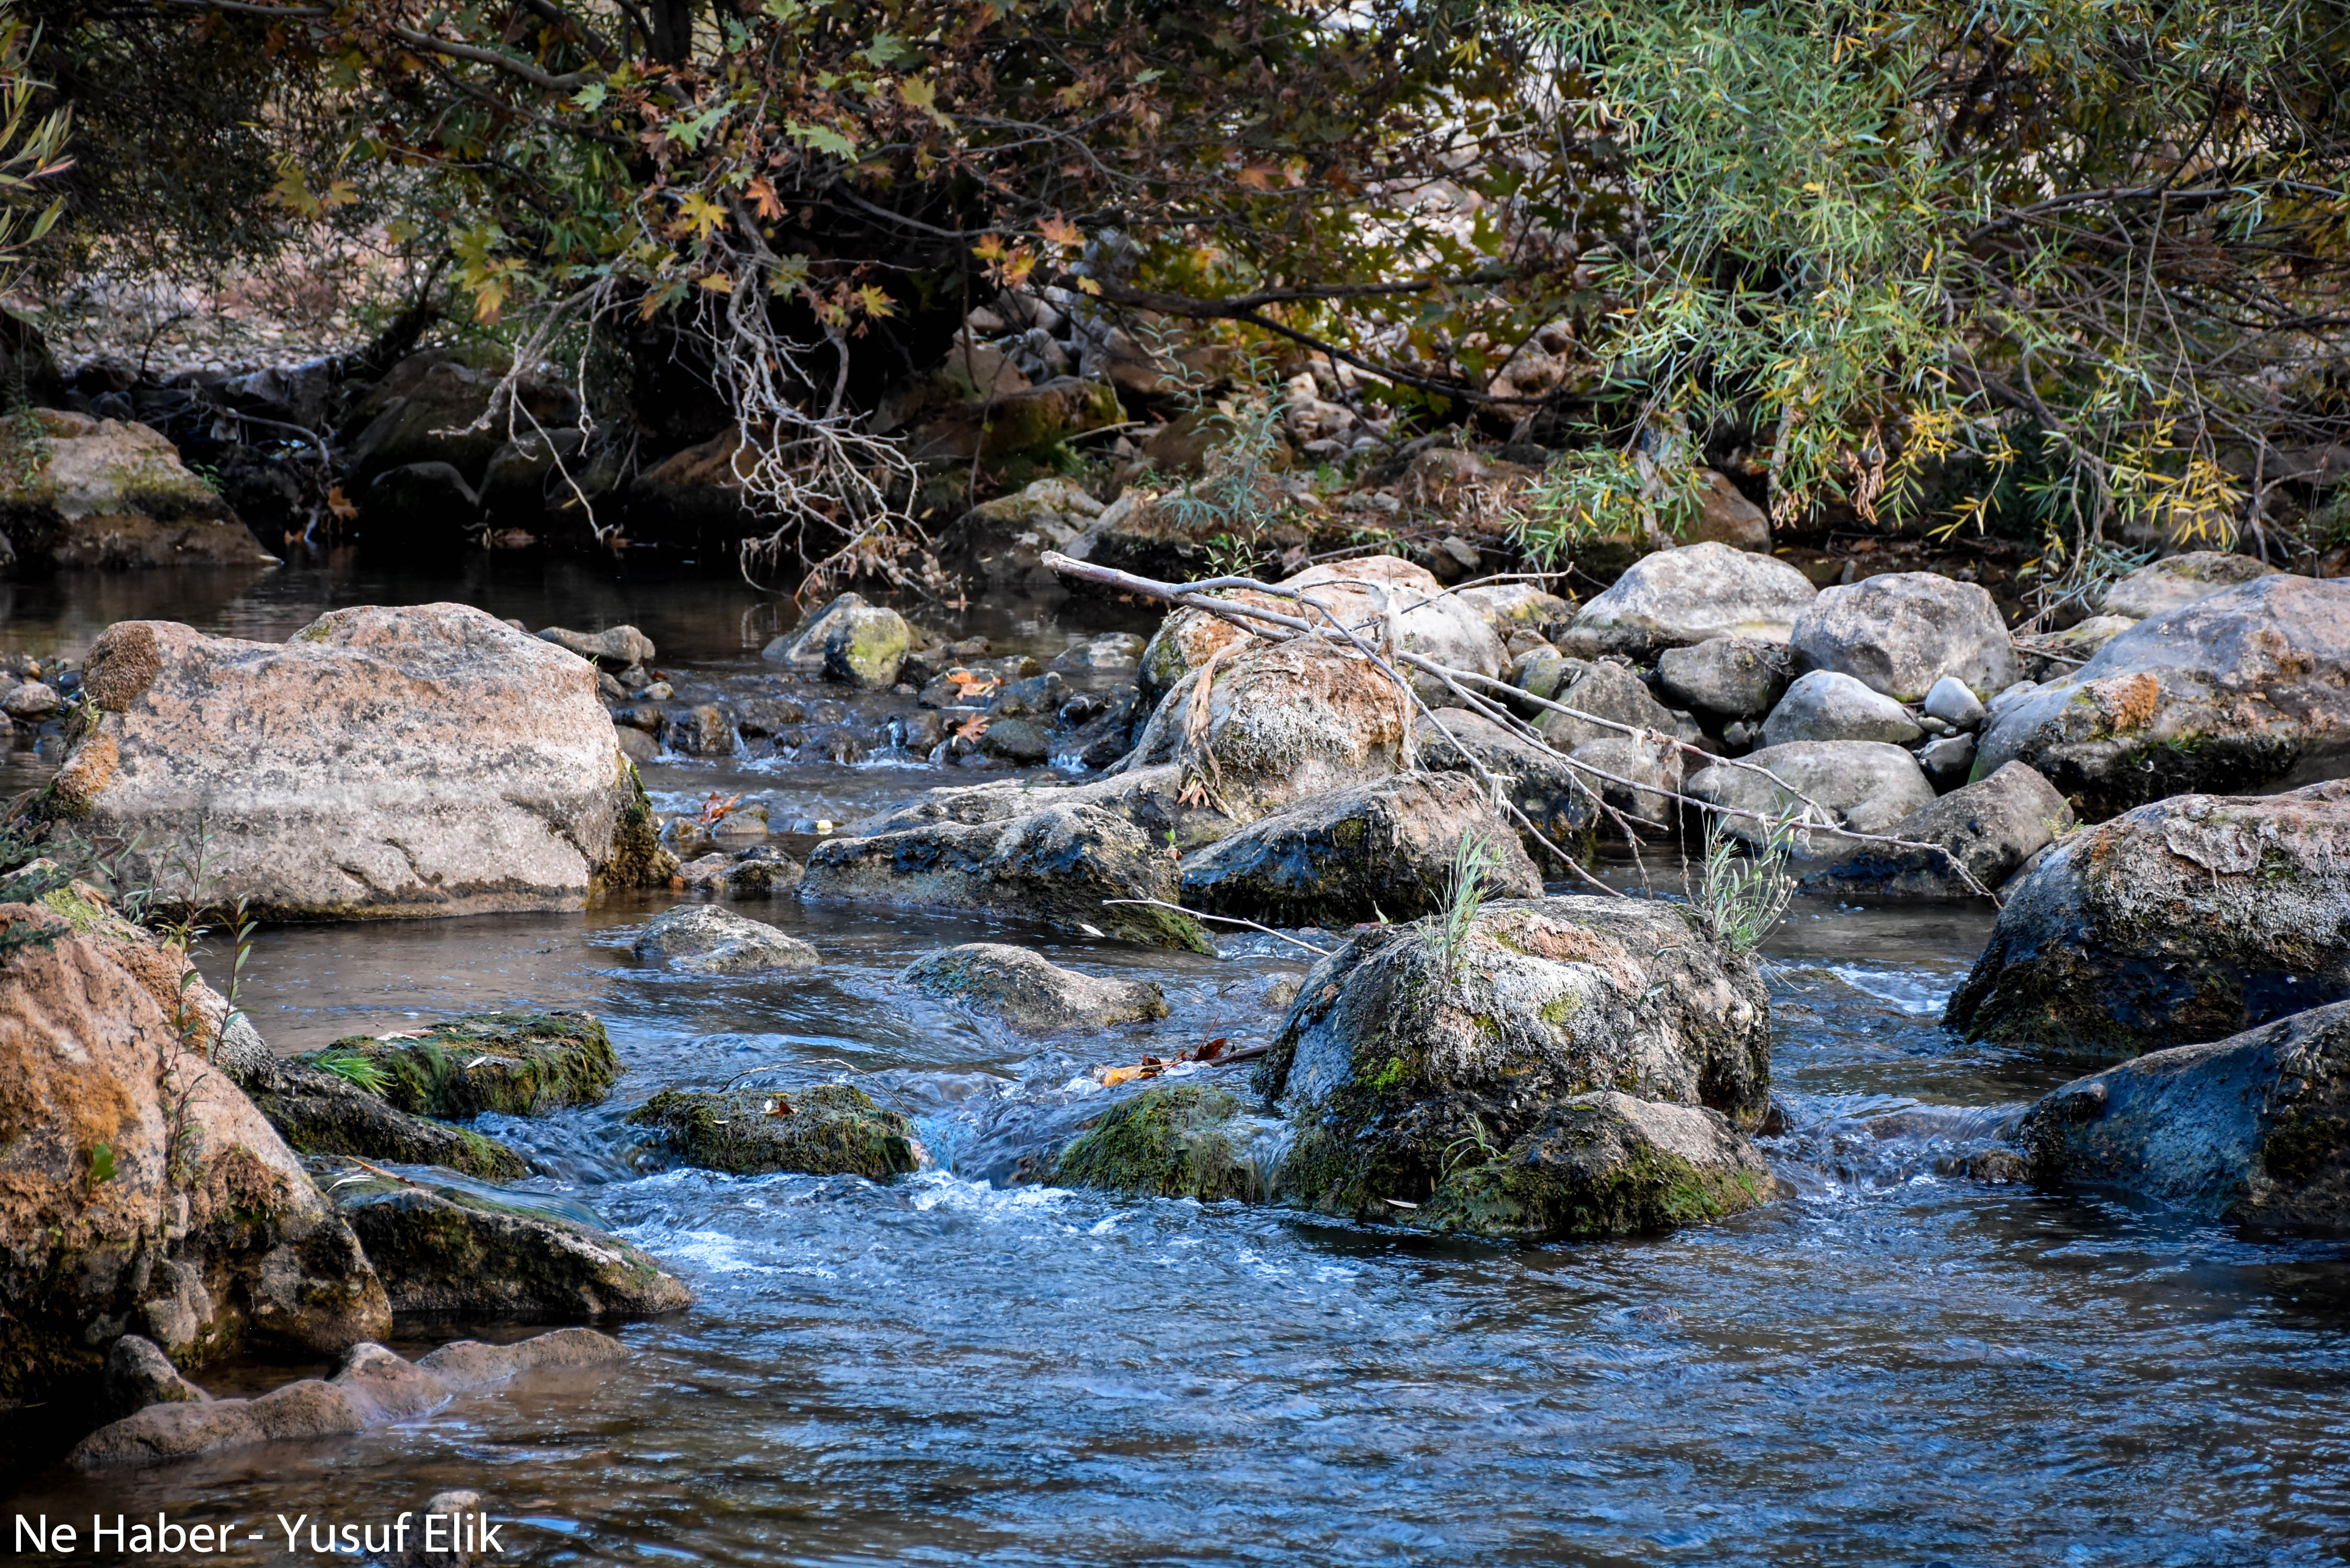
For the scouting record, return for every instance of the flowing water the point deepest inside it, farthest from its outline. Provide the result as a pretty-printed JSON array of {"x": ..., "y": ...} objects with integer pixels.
[{"x": 1900, "y": 1364}]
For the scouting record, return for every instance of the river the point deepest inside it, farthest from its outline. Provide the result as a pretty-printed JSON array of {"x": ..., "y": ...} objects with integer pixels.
[{"x": 1900, "y": 1364}]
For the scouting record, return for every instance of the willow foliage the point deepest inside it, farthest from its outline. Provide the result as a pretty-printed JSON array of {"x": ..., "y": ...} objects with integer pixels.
[{"x": 2083, "y": 259}]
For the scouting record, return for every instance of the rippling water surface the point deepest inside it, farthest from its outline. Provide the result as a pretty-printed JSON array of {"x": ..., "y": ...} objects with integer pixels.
[{"x": 1901, "y": 1365}]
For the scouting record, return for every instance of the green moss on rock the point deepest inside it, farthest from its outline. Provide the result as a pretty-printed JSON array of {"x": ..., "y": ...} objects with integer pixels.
[
  {"x": 516, "y": 1063},
  {"x": 1604, "y": 1164},
  {"x": 830, "y": 1129},
  {"x": 1171, "y": 1140}
]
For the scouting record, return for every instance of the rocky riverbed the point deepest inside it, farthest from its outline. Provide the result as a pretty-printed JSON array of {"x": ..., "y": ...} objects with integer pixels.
[{"x": 959, "y": 1359}]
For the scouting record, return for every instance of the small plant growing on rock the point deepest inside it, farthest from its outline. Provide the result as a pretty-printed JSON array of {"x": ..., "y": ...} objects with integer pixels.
[
  {"x": 354, "y": 1068},
  {"x": 1744, "y": 895},
  {"x": 1474, "y": 861}
]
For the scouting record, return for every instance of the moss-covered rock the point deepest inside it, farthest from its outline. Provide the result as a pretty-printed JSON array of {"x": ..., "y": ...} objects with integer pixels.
[
  {"x": 444, "y": 1247},
  {"x": 321, "y": 1113},
  {"x": 829, "y": 1130},
  {"x": 516, "y": 1063},
  {"x": 1401, "y": 1057},
  {"x": 1171, "y": 1140},
  {"x": 77, "y": 490},
  {"x": 1604, "y": 1164},
  {"x": 849, "y": 641},
  {"x": 2188, "y": 919}
]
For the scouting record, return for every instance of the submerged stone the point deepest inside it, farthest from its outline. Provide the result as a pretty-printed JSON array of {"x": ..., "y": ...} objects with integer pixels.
[{"x": 829, "y": 1130}]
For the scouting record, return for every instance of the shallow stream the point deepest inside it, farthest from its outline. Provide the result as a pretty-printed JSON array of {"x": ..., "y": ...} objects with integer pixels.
[{"x": 1898, "y": 1366}]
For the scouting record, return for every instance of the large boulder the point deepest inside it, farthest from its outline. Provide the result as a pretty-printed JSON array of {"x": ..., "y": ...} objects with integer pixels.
[
  {"x": 1866, "y": 786},
  {"x": 826, "y": 1129},
  {"x": 2245, "y": 691},
  {"x": 84, "y": 491},
  {"x": 1030, "y": 992},
  {"x": 1411, "y": 1062},
  {"x": 1981, "y": 831},
  {"x": 444, "y": 1246},
  {"x": 1900, "y": 632},
  {"x": 1561, "y": 806},
  {"x": 1361, "y": 595},
  {"x": 1378, "y": 849},
  {"x": 2185, "y": 920},
  {"x": 1826, "y": 705},
  {"x": 515, "y": 1064},
  {"x": 2254, "y": 1127},
  {"x": 430, "y": 760},
  {"x": 2181, "y": 579},
  {"x": 143, "y": 1191},
  {"x": 1677, "y": 597}
]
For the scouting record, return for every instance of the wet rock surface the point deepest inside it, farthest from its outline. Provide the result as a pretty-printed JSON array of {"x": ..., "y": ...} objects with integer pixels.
[
  {"x": 1171, "y": 1140},
  {"x": 1605, "y": 1163},
  {"x": 446, "y": 1247},
  {"x": 828, "y": 1129},
  {"x": 1029, "y": 992},
  {"x": 323, "y": 1113},
  {"x": 369, "y": 1386},
  {"x": 1384, "y": 848},
  {"x": 516, "y": 1063},
  {"x": 2242, "y": 691},
  {"x": 704, "y": 939},
  {"x": 2186, "y": 920},
  {"x": 2253, "y": 1127}
]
